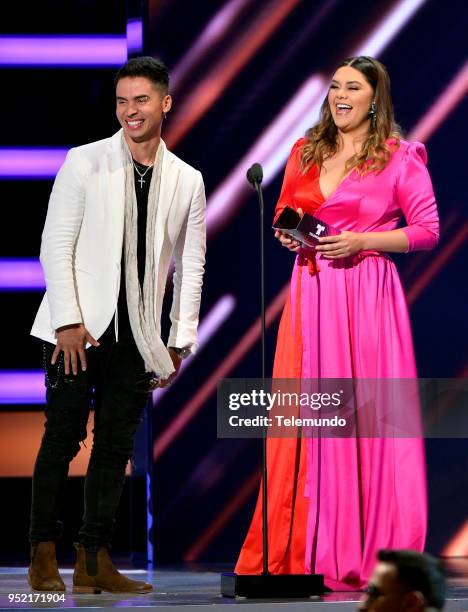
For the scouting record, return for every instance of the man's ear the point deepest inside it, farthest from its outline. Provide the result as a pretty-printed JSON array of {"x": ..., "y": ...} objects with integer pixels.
[
  {"x": 167, "y": 103},
  {"x": 414, "y": 601}
]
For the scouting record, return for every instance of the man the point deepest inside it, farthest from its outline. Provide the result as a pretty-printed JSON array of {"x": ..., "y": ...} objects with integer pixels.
[
  {"x": 405, "y": 581},
  {"x": 120, "y": 209}
]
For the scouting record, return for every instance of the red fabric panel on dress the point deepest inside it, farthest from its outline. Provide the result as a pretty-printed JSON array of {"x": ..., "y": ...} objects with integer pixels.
[
  {"x": 288, "y": 508},
  {"x": 299, "y": 190}
]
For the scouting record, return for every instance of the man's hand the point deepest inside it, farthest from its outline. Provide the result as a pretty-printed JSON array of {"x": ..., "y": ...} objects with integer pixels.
[
  {"x": 72, "y": 339},
  {"x": 343, "y": 245},
  {"x": 176, "y": 361}
]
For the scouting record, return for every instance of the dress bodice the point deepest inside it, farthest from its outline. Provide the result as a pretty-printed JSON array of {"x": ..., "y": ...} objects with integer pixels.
[{"x": 373, "y": 202}]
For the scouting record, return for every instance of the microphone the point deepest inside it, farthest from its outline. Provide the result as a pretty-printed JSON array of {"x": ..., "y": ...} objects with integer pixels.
[{"x": 255, "y": 174}]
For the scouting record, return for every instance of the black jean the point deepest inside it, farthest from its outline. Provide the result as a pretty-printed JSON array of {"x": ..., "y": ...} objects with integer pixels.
[{"x": 116, "y": 385}]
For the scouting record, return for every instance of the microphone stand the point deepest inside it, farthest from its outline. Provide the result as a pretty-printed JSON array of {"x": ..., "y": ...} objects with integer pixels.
[
  {"x": 263, "y": 353},
  {"x": 266, "y": 585}
]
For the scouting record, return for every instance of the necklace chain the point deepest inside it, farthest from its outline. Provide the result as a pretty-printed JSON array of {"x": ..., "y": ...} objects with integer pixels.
[{"x": 141, "y": 174}]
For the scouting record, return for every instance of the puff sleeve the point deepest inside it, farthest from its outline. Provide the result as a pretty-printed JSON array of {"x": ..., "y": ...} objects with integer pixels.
[{"x": 416, "y": 199}]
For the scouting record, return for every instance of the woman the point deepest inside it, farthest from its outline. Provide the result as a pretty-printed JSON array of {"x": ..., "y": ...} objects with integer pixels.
[{"x": 334, "y": 502}]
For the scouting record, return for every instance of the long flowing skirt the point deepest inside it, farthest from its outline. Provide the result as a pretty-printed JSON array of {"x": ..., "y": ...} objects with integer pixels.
[{"x": 333, "y": 503}]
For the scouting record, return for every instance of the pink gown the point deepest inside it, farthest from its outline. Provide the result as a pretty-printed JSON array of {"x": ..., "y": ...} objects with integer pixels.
[{"x": 333, "y": 503}]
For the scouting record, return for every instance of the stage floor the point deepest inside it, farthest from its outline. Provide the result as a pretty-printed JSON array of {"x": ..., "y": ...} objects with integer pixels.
[{"x": 179, "y": 589}]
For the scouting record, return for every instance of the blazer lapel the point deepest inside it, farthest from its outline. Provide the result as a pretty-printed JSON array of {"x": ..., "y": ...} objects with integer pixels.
[{"x": 116, "y": 190}]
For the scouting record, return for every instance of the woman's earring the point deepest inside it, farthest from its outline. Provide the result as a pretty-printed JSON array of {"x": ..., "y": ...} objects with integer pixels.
[
  {"x": 373, "y": 114},
  {"x": 164, "y": 115}
]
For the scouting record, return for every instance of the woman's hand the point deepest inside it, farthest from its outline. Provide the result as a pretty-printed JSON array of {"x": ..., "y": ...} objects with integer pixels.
[
  {"x": 342, "y": 245},
  {"x": 287, "y": 241}
]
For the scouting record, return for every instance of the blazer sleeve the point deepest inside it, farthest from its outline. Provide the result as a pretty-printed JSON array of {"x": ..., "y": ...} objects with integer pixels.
[
  {"x": 292, "y": 167},
  {"x": 62, "y": 225},
  {"x": 189, "y": 254},
  {"x": 416, "y": 199}
]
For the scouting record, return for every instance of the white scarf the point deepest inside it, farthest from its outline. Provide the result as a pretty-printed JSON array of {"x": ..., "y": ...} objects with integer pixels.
[{"x": 141, "y": 308}]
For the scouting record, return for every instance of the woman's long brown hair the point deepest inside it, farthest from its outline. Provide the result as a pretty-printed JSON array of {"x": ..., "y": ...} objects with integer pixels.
[{"x": 322, "y": 139}]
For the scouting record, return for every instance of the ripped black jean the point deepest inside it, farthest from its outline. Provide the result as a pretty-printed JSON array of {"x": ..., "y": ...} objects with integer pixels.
[{"x": 116, "y": 385}]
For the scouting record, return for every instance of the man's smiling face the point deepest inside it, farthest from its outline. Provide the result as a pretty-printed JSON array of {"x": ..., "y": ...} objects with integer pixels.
[{"x": 140, "y": 108}]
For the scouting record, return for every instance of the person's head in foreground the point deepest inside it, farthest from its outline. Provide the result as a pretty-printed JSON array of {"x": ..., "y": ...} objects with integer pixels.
[{"x": 405, "y": 581}]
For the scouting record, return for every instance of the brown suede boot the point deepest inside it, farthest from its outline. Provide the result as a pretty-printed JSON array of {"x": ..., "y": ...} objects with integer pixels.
[
  {"x": 95, "y": 572},
  {"x": 43, "y": 572}
]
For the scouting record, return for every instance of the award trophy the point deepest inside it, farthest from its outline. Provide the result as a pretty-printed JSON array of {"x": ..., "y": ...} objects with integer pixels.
[{"x": 306, "y": 229}]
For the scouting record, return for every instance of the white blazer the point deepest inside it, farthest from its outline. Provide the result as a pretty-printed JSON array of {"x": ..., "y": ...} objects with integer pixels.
[{"x": 81, "y": 248}]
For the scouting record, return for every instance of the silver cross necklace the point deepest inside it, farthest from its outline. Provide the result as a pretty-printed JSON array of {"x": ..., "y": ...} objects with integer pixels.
[{"x": 141, "y": 174}]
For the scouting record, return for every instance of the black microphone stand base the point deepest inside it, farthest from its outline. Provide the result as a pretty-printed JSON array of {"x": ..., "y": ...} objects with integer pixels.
[{"x": 272, "y": 586}]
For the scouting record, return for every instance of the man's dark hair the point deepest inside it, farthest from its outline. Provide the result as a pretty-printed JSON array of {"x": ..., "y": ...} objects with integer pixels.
[
  {"x": 419, "y": 572},
  {"x": 149, "y": 67}
]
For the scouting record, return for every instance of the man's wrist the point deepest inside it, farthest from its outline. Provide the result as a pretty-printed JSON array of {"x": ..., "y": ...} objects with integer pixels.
[
  {"x": 69, "y": 326},
  {"x": 182, "y": 353}
]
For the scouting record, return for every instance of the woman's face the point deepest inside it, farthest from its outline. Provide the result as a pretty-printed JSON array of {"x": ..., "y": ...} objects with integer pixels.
[{"x": 350, "y": 98}]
